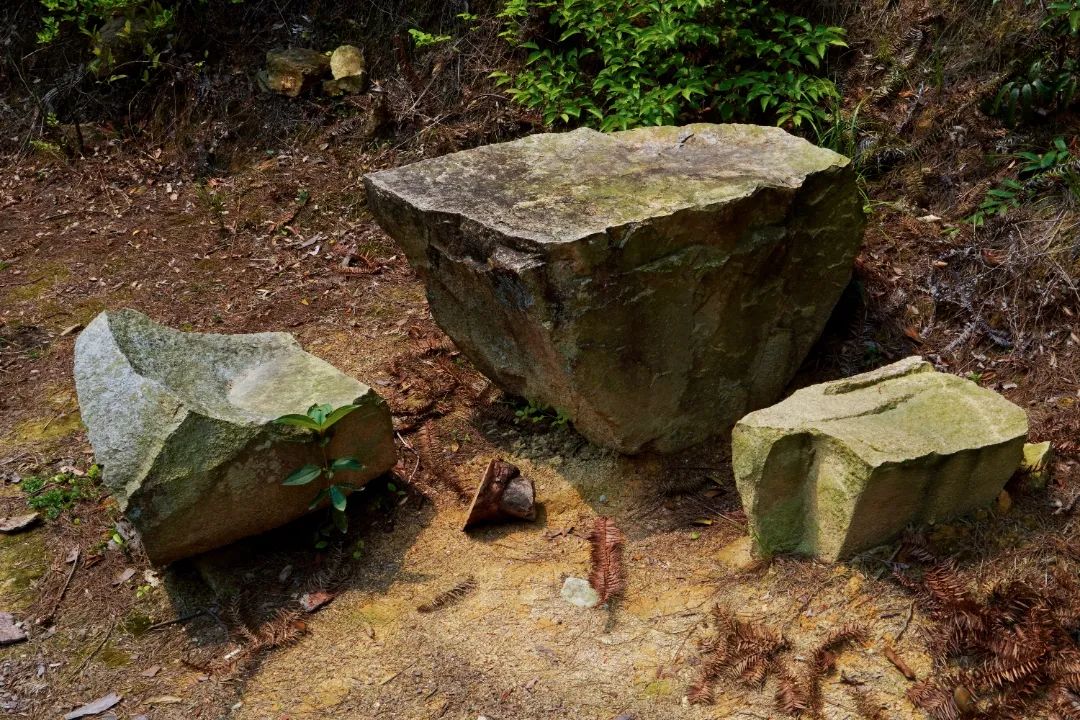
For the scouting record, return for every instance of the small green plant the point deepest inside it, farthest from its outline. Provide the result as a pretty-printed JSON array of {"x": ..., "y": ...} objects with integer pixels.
[
  {"x": 1063, "y": 16},
  {"x": 536, "y": 413},
  {"x": 1037, "y": 172},
  {"x": 46, "y": 148},
  {"x": 320, "y": 420},
  {"x": 422, "y": 39},
  {"x": 999, "y": 201},
  {"x": 1044, "y": 87},
  {"x": 1058, "y": 154},
  {"x": 617, "y": 64},
  {"x": 52, "y": 495},
  {"x": 214, "y": 201}
]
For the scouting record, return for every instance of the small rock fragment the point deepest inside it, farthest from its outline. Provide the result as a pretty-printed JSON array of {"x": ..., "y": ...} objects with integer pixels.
[
  {"x": 1035, "y": 465},
  {"x": 18, "y": 523},
  {"x": 94, "y": 708},
  {"x": 10, "y": 633},
  {"x": 124, "y": 576},
  {"x": 347, "y": 67},
  {"x": 578, "y": 592},
  {"x": 346, "y": 61},
  {"x": 163, "y": 700},
  {"x": 503, "y": 494},
  {"x": 289, "y": 71}
]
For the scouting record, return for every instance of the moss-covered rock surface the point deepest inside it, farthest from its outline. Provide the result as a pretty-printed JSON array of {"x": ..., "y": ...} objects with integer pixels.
[
  {"x": 183, "y": 425},
  {"x": 844, "y": 466},
  {"x": 653, "y": 285}
]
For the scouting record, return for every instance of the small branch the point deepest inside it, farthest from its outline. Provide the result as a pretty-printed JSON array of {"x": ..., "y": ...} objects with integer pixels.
[
  {"x": 56, "y": 604},
  {"x": 175, "y": 621},
  {"x": 907, "y": 622},
  {"x": 95, "y": 651}
]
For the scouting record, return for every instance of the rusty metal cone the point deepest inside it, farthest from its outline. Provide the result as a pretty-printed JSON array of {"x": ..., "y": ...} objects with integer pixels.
[{"x": 503, "y": 495}]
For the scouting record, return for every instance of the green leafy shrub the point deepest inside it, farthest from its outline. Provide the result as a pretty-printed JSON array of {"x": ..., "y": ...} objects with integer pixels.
[
  {"x": 617, "y": 64},
  {"x": 320, "y": 419},
  {"x": 1048, "y": 81},
  {"x": 120, "y": 33}
]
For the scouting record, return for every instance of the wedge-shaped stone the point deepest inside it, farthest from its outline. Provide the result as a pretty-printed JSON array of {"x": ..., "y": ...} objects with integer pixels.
[
  {"x": 182, "y": 424},
  {"x": 653, "y": 285},
  {"x": 844, "y": 466}
]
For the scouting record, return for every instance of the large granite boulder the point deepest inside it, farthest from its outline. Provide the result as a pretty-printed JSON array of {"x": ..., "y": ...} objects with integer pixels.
[
  {"x": 653, "y": 284},
  {"x": 182, "y": 424},
  {"x": 844, "y": 466}
]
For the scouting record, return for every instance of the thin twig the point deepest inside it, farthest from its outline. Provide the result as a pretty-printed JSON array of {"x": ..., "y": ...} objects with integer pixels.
[
  {"x": 95, "y": 651},
  {"x": 910, "y": 614},
  {"x": 182, "y": 619},
  {"x": 56, "y": 603}
]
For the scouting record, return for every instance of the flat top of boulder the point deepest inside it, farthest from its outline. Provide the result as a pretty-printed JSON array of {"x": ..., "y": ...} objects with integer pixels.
[
  {"x": 901, "y": 411},
  {"x": 560, "y": 187},
  {"x": 240, "y": 378}
]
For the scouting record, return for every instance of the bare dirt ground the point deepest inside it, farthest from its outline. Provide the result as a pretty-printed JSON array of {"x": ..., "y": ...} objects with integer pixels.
[{"x": 284, "y": 243}]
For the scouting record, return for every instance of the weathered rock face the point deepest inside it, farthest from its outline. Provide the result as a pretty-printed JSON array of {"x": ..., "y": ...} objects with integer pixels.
[
  {"x": 844, "y": 466},
  {"x": 182, "y": 424},
  {"x": 289, "y": 71},
  {"x": 349, "y": 71},
  {"x": 653, "y": 284}
]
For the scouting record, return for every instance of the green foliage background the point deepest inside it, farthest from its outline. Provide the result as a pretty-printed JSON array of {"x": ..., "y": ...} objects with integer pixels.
[{"x": 617, "y": 64}]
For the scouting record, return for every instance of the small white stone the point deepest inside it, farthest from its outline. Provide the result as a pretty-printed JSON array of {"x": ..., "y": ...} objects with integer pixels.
[{"x": 580, "y": 593}]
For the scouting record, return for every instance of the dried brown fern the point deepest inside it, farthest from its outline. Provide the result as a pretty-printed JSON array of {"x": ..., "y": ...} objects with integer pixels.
[
  {"x": 866, "y": 706},
  {"x": 606, "y": 575},
  {"x": 1010, "y": 647},
  {"x": 823, "y": 658},
  {"x": 449, "y": 597},
  {"x": 1066, "y": 704},
  {"x": 934, "y": 698},
  {"x": 701, "y": 692},
  {"x": 742, "y": 651},
  {"x": 285, "y": 627},
  {"x": 792, "y": 698}
]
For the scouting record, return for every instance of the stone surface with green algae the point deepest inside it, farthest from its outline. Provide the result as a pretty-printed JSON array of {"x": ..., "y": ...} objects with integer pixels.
[
  {"x": 653, "y": 284},
  {"x": 844, "y": 466},
  {"x": 183, "y": 426}
]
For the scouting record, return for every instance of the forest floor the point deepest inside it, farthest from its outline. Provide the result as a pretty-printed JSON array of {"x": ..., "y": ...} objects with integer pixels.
[{"x": 284, "y": 242}]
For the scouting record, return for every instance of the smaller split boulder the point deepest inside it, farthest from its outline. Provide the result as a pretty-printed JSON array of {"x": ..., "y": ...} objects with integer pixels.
[
  {"x": 845, "y": 466},
  {"x": 348, "y": 70},
  {"x": 290, "y": 71},
  {"x": 183, "y": 425}
]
